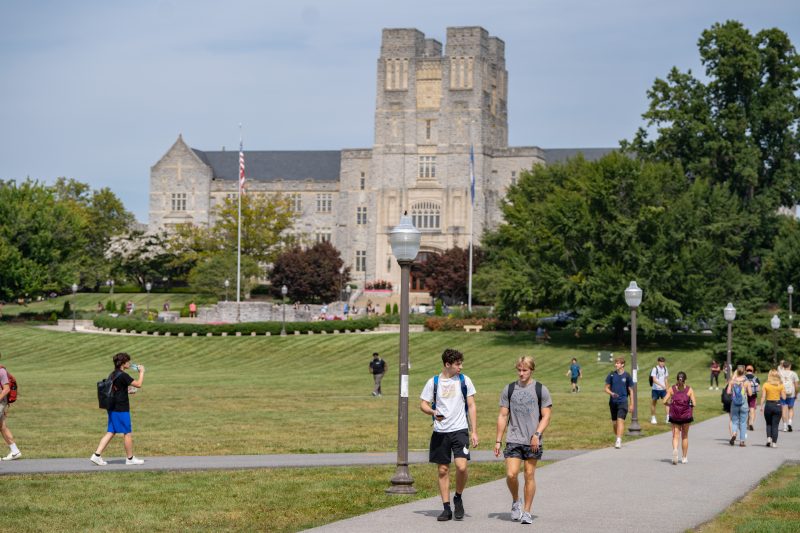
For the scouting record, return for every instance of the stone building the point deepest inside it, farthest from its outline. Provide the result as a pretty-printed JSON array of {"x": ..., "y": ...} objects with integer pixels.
[{"x": 434, "y": 105}]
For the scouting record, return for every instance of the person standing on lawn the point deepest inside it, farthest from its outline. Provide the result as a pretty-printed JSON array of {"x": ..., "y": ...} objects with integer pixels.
[
  {"x": 119, "y": 412},
  {"x": 521, "y": 404},
  {"x": 619, "y": 387},
  {"x": 449, "y": 397},
  {"x": 574, "y": 374},
  {"x": 659, "y": 381},
  {"x": 377, "y": 367}
]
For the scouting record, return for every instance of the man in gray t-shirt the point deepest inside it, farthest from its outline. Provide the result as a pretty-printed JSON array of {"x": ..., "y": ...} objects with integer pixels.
[{"x": 519, "y": 413}]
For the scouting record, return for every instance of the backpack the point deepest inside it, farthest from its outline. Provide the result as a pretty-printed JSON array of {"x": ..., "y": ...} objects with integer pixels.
[
  {"x": 538, "y": 398},
  {"x": 681, "y": 406},
  {"x": 463, "y": 391},
  {"x": 754, "y": 385},
  {"x": 737, "y": 398},
  {"x": 105, "y": 391},
  {"x": 12, "y": 382}
]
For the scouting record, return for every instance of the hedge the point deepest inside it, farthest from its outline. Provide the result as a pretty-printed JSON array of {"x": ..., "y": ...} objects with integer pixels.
[{"x": 246, "y": 328}]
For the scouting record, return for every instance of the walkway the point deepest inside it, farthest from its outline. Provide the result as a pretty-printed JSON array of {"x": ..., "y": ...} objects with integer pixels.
[{"x": 633, "y": 489}]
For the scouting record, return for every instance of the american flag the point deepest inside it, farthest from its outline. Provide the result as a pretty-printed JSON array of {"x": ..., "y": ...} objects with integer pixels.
[
  {"x": 242, "y": 178},
  {"x": 472, "y": 174}
]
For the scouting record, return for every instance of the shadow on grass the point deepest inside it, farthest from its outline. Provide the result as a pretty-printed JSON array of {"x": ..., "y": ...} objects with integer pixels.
[{"x": 603, "y": 341}]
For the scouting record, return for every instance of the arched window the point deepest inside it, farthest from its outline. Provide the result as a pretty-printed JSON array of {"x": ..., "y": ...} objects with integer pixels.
[{"x": 426, "y": 215}]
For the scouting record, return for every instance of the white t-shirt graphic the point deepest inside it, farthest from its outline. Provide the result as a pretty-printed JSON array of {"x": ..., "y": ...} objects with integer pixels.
[{"x": 449, "y": 402}]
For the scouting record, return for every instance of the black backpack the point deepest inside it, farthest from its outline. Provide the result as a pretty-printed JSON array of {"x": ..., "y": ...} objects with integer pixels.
[
  {"x": 105, "y": 391},
  {"x": 538, "y": 388}
]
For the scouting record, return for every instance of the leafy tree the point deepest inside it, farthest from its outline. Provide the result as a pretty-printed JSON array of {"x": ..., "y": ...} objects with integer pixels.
[
  {"x": 783, "y": 262},
  {"x": 310, "y": 275},
  {"x": 141, "y": 256},
  {"x": 447, "y": 274},
  {"x": 210, "y": 273}
]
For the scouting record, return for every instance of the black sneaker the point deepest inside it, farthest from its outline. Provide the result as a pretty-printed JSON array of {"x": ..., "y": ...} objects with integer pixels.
[
  {"x": 445, "y": 516},
  {"x": 459, "y": 514},
  {"x": 750, "y": 427},
  {"x": 790, "y": 427},
  {"x": 732, "y": 441}
]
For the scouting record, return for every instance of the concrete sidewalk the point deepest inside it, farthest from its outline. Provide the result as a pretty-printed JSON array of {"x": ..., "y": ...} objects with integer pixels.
[
  {"x": 634, "y": 489},
  {"x": 234, "y": 462}
]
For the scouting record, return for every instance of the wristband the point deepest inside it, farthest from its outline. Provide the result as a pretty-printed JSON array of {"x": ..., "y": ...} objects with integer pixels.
[{"x": 498, "y": 442}]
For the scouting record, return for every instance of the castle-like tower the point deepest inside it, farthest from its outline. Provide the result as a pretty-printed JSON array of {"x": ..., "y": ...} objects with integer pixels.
[{"x": 433, "y": 107}]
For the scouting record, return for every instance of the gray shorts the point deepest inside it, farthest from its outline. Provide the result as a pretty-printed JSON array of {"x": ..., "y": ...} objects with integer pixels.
[
  {"x": 522, "y": 451},
  {"x": 3, "y": 408}
]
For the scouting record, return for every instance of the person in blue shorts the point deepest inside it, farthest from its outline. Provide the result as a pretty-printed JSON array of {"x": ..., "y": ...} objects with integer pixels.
[
  {"x": 619, "y": 387},
  {"x": 574, "y": 374},
  {"x": 659, "y": 381},
  {"x": 119, "y": 412}
]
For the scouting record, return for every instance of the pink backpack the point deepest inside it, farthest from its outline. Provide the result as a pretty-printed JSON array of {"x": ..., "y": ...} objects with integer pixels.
[{"x": 681, "y": 406}]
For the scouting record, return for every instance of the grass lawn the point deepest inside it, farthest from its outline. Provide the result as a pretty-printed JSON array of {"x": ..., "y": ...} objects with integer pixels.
[
  {"x": 303, "y": 394},
  {"x": 774, "y": 507},
  {"x": 88, "y": 302}
]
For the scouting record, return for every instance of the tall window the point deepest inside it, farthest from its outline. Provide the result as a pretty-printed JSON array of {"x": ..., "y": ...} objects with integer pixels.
[
  {"x": 296, "y": 203},
  {"x": 361, "y": 260},
  {"x": 428, "y": 130},
  {"x": 427, "y": 166},
  {"x": 426, "y": 215},
  {"x": 361, "y": 215},
  {"x": 179, "y": 201},
  {"x": 324, "y": 203},
  {"x": 363, "y": 180},
  {"x": 323, "y": 235}
]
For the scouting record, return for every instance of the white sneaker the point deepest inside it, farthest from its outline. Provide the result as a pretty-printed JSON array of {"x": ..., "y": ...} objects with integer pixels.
[
  {"x": 96, "y": 459},
  {"x": 666, "y": 419},
  {"x": 618, "y": 444},
  {"x": 134, "y": 461},
  {"x": 674, "y": 456},
  {"x": 769, "y": 442},
  {"x": 11, "y": 456},
  {"x": 684, "y": 460},
  {"x": 516, "y": 510},
  {"x": 653, "y": 420},
  {"x": 711, "y": 388},
  {"x": 526, "y": 518}
]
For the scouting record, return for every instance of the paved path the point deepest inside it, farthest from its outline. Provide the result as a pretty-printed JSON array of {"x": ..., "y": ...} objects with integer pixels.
[
  {"x": 233, "y": 462},
  {"x": 633, "y": 489}
]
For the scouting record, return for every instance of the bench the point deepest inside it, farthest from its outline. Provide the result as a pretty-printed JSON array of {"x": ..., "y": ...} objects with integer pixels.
[{"x": 473, "y": 328}]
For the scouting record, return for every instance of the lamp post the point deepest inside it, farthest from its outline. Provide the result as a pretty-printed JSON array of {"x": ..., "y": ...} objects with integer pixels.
[
  {"x": 284, "y": 291},
  {"x": 790, "y": 290},
  {"x": 341, "y": 281},
  {"x": 729, "y": 312},
  {"x": 227, "y": 284},
  {"x": 347, "y": 291},
  {"x": 148, "y": 286},
  {"x": 633, "y": 297},
  {"x": 776, "y": 324},
  {"x": 404, "y": 239},
  {"x": 74, "y": 292}
]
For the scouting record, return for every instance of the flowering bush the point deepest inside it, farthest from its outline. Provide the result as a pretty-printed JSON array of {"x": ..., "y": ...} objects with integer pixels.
[{"x": 379, "y": 285}]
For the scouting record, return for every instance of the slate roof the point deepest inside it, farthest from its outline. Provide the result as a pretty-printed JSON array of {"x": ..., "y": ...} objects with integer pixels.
[
  {"x": 317, "y": 165},
  {"x": 560, "y": 155}
]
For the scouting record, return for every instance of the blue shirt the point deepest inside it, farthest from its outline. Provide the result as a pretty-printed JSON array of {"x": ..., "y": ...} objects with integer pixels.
[
  {"x": 619, "y": 385},
  {"x": 575, "y": 369}
]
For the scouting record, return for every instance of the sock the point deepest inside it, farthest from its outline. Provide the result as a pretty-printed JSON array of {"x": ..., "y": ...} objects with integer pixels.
[
  {"x": 457, "y": 496},
  {"x": 96, "y": 454},
  {"x": 129, "y": 458},
  {"x": 13, "y": 447},
  {"x": 447, "y": 507}
]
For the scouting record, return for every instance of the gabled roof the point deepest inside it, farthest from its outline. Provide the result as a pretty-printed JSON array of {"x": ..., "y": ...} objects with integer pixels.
[
  {"x": 317, "y": 165},
  {"x": 560, "y": 155}
]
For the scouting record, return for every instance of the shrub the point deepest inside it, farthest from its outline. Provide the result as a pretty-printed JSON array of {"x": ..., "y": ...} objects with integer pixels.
[
  {"x": 65, "y": 311},
  {"x": 388, "y": 309},
  {"x": 437, "y": 310},
  {"x": 395, "y": 310},
  {"x": 260, "y": 328}
]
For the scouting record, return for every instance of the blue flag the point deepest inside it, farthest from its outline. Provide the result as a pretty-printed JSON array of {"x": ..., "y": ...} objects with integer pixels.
[{"x": 472, "y": 174}]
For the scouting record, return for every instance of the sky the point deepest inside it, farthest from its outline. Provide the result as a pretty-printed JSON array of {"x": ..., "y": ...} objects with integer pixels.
[{"x": 98, "y": 90}]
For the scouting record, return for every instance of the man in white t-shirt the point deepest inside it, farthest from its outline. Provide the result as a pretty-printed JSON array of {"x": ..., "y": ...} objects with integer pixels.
[
  {"x": 790, "y": 384},
  {"x": 660, "y": 380},
  {"x": 448, "y": 398}
]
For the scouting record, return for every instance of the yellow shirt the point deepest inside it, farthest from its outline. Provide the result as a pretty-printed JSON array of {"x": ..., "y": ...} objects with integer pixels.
[{"x": 772, "y": 392}]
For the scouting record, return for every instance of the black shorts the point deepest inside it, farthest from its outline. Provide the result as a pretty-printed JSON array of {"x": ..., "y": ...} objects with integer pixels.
[
  {"x": 444, "y": 446},
  {"x": 522, "y": 451},
  {"x": 573, "y": 380},
  {"x": 618, "y": 410}
]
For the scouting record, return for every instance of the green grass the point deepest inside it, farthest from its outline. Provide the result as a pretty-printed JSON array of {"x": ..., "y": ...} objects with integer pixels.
[
  {"x": 88, "y": 302},
  {"x": 774, "y": 507},
  {"x": 275, "y": 500},
  {"x": 305, "y": 394}
]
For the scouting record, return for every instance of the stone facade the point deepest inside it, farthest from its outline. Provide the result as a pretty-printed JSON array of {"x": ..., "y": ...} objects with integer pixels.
[{"x": 434, "y": 105}]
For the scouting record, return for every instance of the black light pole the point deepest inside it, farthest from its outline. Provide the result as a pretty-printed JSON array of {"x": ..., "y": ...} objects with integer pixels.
[
  {"x": 284, "y": 290},
  {"x": 405, "y": 239},
  {"x": 776, "y": 324},
  {"x": 633, "y": 297},
  {"x": 730, "y": 315},
  {"x": 74, "y": 292}
]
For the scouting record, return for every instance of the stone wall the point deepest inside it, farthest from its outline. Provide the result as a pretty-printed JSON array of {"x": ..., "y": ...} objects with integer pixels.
[{"x": 262, "y": 312}]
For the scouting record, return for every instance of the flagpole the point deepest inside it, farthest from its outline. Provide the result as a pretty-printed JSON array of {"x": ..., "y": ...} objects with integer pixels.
[
  {"x": 239, "y": 230},
  {"x": 471, "y": 224}
]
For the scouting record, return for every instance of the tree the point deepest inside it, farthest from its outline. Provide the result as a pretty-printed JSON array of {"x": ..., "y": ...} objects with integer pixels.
[
  {"x": 141, "y": 256},
  {"x": 311, "y": 275},
  {"x": 447, "y": 274},
  {"x": 210, "y": 273},
  {"x": 783, "y": 262}
]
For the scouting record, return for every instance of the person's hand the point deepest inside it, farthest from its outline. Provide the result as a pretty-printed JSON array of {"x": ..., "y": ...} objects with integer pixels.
[
  {"x": 474, "y": 439},
  {"x": 497, "y": 449},
  {"x": 141, "y": 369},
  {"x": 535, "y": 444},
  {"x": 438, "y": 416}
]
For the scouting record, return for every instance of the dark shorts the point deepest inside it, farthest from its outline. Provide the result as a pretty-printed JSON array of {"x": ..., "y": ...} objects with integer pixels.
[
  {"x": 681, "y": 422},
  {"x": 573, "y": 380},
  {"x": 445, "y": 446},
  {"x": 618, "y": 410},
  {"x": 119, "y": 422},
  {"x": 522, "y": 451},
  {"x": 789, "y": 402},
  {"x": 658, "y": 394},
  {"x": 751, "y": 401}
]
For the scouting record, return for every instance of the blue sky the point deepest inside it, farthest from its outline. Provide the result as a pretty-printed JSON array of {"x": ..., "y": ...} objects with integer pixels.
[{"x": 99, "y": 90}]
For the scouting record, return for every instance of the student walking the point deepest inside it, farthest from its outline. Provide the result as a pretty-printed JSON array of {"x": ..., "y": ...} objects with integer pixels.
[
  {"x": 659, "y": 382},
  {"x": 681, "y": 401},
  {"x": 525, "y": 407},
  {"x": 755, "y": 386},
  {"x": 574, "y": 374},
  {"x": 377, "y": 367},
  {"x": 739, "y": 389},
  {"x": 119, "y": 412},
  {"x": 771, "y": 395},
  {"x": 789, "y": 378},
  {"x": 449, "y": 398},
  {"x": 5, "y": 392},
  {"x": 714, "y": 378},
  {"x": 620, "y": 391}
]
